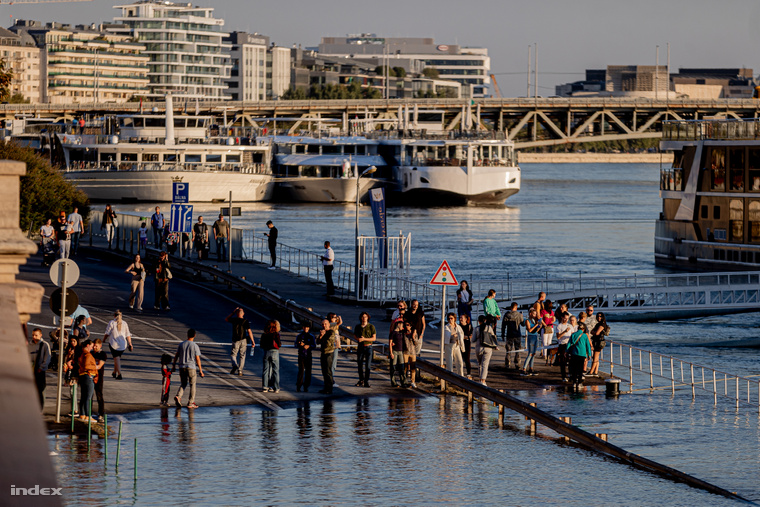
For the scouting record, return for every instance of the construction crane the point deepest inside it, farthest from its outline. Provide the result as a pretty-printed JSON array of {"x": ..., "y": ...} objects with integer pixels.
[
  {"x": 15, "y": 2},
  {"x": 495, "y": 86}
]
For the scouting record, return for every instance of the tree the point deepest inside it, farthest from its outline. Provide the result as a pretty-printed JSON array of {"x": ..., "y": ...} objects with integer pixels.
[
  {"x": 18, "y": 98},
  {"x": 399, "y": 71},
  {"x": 431, "y": 73},
  {"x": 294, "y": 93},
  {"x": 391, "y": 71},
  {"x": 6, "y": 78},
  {"x": 44, "y": 191}
]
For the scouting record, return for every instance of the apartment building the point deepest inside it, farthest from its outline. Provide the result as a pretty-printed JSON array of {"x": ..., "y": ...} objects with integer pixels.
[
  {"x": 185, "y": 45},
  {"x": 21, "y": 55},
  {"x": 260, "y": 70}
]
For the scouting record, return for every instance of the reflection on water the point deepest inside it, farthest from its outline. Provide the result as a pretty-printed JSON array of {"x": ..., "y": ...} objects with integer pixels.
[{"x": 380, "y": 451}]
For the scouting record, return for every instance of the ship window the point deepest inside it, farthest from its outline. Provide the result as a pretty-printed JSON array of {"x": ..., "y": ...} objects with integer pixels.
[
  {"x": 736, "y": 166},
  {"x": 313, "y": 149},
  {"x": 150, "y": 157},
  {"x": 129, "y": 157},
  {"x": 170, "y": 157},
  {"x": 716, "y": 212},
  {"x": 214, "y": 159},
  {"x": 754, "y": 169},
  {"x": 703, "y": 211},
  {"x": 754, "y": 221},
  {"x": 193, "y": 157},
  {"x": 718, "y": 169},
  {"x": 233, "y": 157},
  {"x": 330, "y": 149},
  {"x": 736, "y": 220}
]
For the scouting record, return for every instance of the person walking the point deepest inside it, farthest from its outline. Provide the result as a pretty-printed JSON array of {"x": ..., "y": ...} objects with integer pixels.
[
  {"x": 396, "y": 354},
  {"x": 272, "y": 241},
  {"x": 305, "y": 343},
  {"x": 101, "y": 357},
  {"x": 511, "y": 334},
  {"x": 63, "y": 232},
  {"x": 188, "y": 356},
  {"x": 453, "y": 337},
  {"x": 466, "y": 324},
  {"x": 163, "y": 275},
  {"x": 138, "y": 272},
  {"x": 119, "y": 339},
  {"x": 366, "y": 335},
  {"x": 88, "y": 371},
  {"x": 411, "y": 345},
  {"x": 221, "y": 230},
  {"x": 200, "y": 239},
  {"x": 327, "y": 264},
  {"x": 328, "y": 345},
  {"x": 533, "y": 325},
  {"x": 270, "y": 342},
  {"x": 484, "y": 339},
  {"x": 157, "y": 223},
  {"x": 579, "y": 350},
  {"x": 241, "y": 329},
  {"x": 491, "y": 309},
  {"x": 109, "y": 223},
  {"x": 464, "y": 299},
  {"x": 39, "y": 350},
  {"x": 598, "y": 334},
  {"x": 77, "y": 226}
]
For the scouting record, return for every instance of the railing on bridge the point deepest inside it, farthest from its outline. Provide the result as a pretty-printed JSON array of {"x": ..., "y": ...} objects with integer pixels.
[
  {"x": 668, "y": 372},
  {"x": 695, "y": 130}
]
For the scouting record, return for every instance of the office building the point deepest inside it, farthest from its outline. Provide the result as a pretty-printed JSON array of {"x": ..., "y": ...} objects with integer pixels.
[
  {"x": 21, "y": 55},
  {"x": 260, "y": 70}
]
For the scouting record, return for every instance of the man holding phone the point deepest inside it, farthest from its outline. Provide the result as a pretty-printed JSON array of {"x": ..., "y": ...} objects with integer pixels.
[{"x": 272, "y": 235}]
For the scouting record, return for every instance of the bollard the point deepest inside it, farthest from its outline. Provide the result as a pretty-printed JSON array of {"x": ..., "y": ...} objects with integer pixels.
[
  {"x": 532, "y": 421},
  {"x": 118, "y": 446},
  {"x": 612, "y": 387},
  {"x": 105, "y": 437},
  {"x": 568, "y": 421},
  {"x": 135, "y": 460},
  {"x": 469, "y": 397},
  {"x": 89, "y": 424},
  {"x": 601, "y": 436},
  {"x": 73, "y": 404}
]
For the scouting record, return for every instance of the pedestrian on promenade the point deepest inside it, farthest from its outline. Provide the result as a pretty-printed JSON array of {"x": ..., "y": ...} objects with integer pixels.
[
  {"x": 540, "y": 302},
  {"x": 491, "y": 309},
  {"x": 137, "y": 285},
  {"x": 88, "y": 370},
  {"x": 578, "y": 349},
  {"x": 583, "y": 319},
  {"x": 598, "y": 334},
  {"x": 39, "y": 350},
  {"x": 241, "y": 329},
  {"x": 464, "y": 299},
  {"x": 81, "y": 310},
  {"x": 466, "y": 324},
  {"x": 157, "y": 223},
  {"x": 411, "y": 345},
  {"x": 200, "y": 239},
  {"x": 166, "y": 378},
  {"x": 416, "y": 316},
  {"x": 327, "y": 264},
  {"x": 272, "y": 240},
  {"x": 453, "y": 337},
  {"x": 69, "y": 362},
  {"x": 142, "y": 236},
  {"x": 396, "y": 354},
  {"x": 221, "y": 230},
  {"x": 100, "y": 356},
  {"x": 366, "y": 335},
  {"x": 548, "y": 319},
  {"x": 565, "y": 329},
  {"x": 163, "y": 275},
  {"x": 188, "y": 356},
  {"x": 533, "y": 325},
  {"x": 328, "y": 345},
  {"x": 485, "y": 345},
  {"x": 270, "y": 342},
  {"x": 590, "y": 317},
  {"x": 335, "y": 322},
  {"x": 63, "y": 231},
  {"x": 109, "y": 223},
  {"x": 399, "y": 312},
  {"x": 305, "y": 343},
  {"x": 512, "y": 335},
  {"x": 118, "y": 338},
  {"x": 48, "y": 244},
  {"x": 77, "y": 226}
]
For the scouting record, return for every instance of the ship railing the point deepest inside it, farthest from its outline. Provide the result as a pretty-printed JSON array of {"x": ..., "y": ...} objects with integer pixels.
[
  {"x": 507, "y": 289},
  {"x": 695, "y": 130},
  {"x": 251, "y": 168},
  {"x": 653, "y": 371}
]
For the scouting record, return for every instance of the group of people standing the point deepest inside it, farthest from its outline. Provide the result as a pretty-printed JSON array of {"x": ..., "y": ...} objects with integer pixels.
[{"x": 61, "y": 239}]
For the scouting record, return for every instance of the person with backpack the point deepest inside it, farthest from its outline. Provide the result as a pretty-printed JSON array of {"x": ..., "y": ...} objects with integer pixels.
[
  {"x": 598, "y": 334},
  {"x": 39, "y": 350},
  {"x": 484, "y": 339}
]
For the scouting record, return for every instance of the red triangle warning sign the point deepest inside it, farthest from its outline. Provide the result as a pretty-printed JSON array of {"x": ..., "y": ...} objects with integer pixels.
[{"x": 444, "y": 276}]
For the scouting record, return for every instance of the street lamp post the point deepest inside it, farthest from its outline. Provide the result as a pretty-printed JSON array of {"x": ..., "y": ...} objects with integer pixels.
[{"x": 369, "y": 170}]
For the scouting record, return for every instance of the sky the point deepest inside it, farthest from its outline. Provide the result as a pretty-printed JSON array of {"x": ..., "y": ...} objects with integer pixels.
[{"x": 571, "y": 35}]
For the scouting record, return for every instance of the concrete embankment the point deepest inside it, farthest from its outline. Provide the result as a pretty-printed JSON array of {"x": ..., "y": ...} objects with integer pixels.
[{"x": 595, "y": 158}]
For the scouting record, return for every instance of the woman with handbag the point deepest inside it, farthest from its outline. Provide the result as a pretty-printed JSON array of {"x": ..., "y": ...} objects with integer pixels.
[
  {"x": 119, "y": 339},
  {"x": 484, "y": 340},
  {"x": 600, "y": 331},
  {"x": 453, "y": 337},
  {"x": 163, "y": 275},
  {"x": 137, "y": 270}
]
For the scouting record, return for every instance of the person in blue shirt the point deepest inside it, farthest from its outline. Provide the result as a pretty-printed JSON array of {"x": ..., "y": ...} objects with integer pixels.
[
  {"x": 306, "y": 343},
  {"x": 189, "y": 358},
  {"x": 578, "y": 349},
  {"x": 157, "y": 223}
]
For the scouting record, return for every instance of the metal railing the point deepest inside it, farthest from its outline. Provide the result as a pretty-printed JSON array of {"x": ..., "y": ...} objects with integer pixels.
[{"x": 668, "y": 372}]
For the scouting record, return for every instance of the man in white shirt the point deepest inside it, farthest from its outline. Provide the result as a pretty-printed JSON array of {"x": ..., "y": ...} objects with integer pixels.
[
  {"x": 327, "y": 264},
  {"x": 76, "y": 221}
]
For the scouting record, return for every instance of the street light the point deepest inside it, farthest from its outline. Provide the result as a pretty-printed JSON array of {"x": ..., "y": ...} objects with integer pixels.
[{"x": 368, "y": 170}]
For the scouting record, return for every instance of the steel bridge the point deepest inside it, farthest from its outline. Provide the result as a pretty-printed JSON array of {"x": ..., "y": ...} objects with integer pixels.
[{"x": 529, "y": 122}]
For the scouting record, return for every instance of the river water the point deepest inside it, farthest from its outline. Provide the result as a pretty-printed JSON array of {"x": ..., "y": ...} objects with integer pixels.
[{"x": 596, "y": 219}]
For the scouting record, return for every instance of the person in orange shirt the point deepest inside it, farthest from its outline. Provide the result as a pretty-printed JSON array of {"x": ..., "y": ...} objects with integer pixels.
[{"x": 88, "y": 372}]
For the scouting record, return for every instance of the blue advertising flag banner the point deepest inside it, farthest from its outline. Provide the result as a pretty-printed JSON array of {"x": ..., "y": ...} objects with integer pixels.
[{"x": 377, "y": 201}]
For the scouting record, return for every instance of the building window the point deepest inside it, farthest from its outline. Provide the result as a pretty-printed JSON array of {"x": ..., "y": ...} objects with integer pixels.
[
  {"x": 754, "y": 169},
  {"x": 703, "y": 212},
  {"x": 716, "y": 212},
  {"x": 736, "y": 169},
  {"x": 754, "y": 221},
  {"x": 736, "y": 220},
  {"x": 718, "y": 169}
]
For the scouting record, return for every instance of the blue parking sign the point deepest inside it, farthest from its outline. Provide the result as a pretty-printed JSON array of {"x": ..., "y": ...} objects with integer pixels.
[
  {"x": 181, "y": 218},
  {"x": 180, "y": 192}
]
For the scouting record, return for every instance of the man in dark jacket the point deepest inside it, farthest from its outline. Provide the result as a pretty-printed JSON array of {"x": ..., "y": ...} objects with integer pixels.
[
  {"x": 272, "y": 235},
  {"x": 511, "y": 334}
]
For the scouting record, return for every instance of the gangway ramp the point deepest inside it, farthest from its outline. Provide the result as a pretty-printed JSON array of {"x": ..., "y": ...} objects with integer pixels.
[{"x": 636, "y": 297}]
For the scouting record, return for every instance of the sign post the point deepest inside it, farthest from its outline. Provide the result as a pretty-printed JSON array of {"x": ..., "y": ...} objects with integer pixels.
[
  {"x": 443, "y": 277},
  {"x": 58, "y": 274},
  {"x": 180, "y": 192},
  {"x": 229, "y": 237}
]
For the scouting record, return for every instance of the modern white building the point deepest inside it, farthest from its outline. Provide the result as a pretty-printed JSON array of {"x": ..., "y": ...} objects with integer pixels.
[
  {"x": 22, "y": 56},
  {"x": 260, "y": 71},
  {"x": 188, "y": 57},
  {"x": 468, "y": 66}
]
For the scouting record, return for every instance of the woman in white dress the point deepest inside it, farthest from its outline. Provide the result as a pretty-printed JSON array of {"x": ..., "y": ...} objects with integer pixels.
[
  {"x": 118, "y": 339},
  {"x": 453, "y": 337}
]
